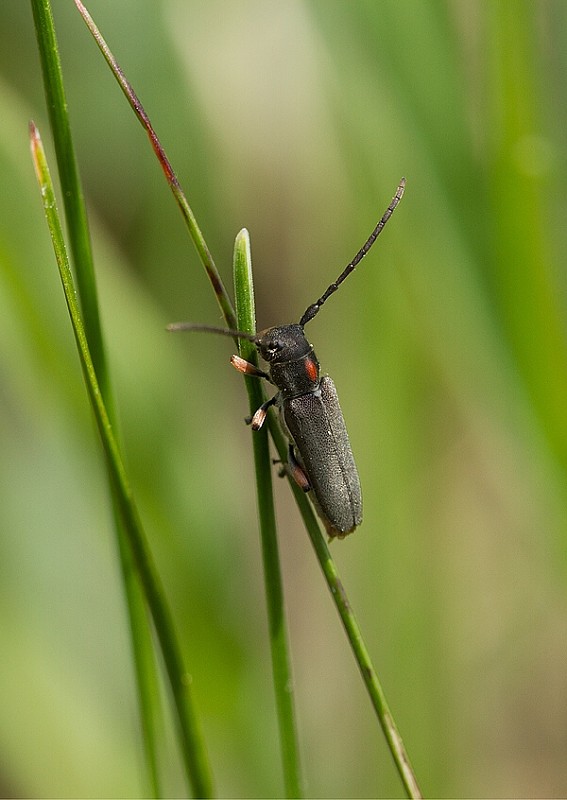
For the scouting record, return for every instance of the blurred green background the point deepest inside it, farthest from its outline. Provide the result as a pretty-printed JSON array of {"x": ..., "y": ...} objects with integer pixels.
[{"x": 448, "y": 347}]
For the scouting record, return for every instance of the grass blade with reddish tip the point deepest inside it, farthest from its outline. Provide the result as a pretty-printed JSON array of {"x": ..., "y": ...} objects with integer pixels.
[
  {"x": 194, "y": 230},
  {"x": 80, "y": 243},
  {"x": 192, "y": 745}
]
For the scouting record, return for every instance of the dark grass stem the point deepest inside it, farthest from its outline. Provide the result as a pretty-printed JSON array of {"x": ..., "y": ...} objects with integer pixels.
[
  {"x": 281, "y": 667},
  {"x": 193, "y": 751},
  {"x": 80, "y": 242},
  {"x": 194, "y": 230}
]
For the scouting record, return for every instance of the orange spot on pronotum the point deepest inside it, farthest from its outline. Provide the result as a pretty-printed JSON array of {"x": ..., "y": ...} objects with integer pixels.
[{"x": 311, "y": 369}]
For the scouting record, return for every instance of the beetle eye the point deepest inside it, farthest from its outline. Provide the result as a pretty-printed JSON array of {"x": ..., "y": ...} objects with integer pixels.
[{"x": 274, "y": 347}]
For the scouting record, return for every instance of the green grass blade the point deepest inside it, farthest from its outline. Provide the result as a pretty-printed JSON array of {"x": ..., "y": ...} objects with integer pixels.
[
  {"x": 193, "y": 749},
  {"x": 73, "y": 200},
  {"x": 246, "y": 321},
  {"x": 143, "y": 652},
  {"x": 77, "y": 225}
]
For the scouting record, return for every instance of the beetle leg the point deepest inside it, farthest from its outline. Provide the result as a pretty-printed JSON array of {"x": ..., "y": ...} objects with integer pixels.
[
  {"x": 260, "y": 415},
  {"x": 248, "y": 369},
  {"x": 296, "y": 471}
]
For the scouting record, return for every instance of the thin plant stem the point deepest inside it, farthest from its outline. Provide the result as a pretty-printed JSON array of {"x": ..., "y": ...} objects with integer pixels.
[
  {"x": 193, "y": 750},
  {"x": 281, "y": 666},
  {"x": 194, "y": 230},
  {"x": 350, "y": 624},
  {"x": 80, "y": 242},
  {"x": 73, "y": 200}
]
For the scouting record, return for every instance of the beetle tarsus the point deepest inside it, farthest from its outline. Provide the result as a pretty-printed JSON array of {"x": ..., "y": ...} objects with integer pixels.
[
  {"x": 259, "y": 417},
  {"x": 297, "y": 472},
  {"x": 248, "y": 369}
]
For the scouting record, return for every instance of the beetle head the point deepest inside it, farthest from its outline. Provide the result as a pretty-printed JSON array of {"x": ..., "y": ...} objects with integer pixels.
[{"x": 283, "y": 343}]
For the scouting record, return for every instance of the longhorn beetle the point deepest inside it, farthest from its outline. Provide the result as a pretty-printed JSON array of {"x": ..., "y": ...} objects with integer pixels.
[{"x": 319, "y": 456}]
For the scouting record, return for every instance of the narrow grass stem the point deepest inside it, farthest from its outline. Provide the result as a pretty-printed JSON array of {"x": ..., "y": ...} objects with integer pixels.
[
  {"x": 79, "y": 237},
  {"x": 73, "y": 200},
  {"x": 350, "y": 624},
  {"x": 193, "y": 749},
  {"x": 281, "y": 666},
  {"x": 194, "y": 230}
]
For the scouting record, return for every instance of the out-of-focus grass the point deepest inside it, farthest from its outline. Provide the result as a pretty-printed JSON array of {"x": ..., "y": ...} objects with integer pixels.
[{"x": 447, "y": 346}]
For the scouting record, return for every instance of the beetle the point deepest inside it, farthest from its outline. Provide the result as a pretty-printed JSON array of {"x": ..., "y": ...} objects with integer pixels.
[{"x": 320, "y": 458}]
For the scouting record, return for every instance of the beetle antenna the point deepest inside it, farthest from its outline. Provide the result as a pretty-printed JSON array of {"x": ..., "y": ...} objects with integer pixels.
[
  {"x": 314, "y": 308},
  {"x": 192, "y": 326}
]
